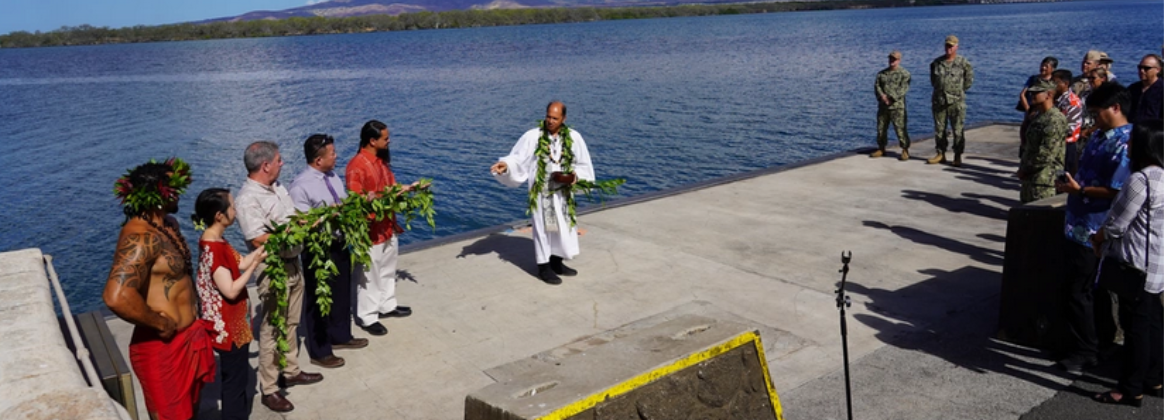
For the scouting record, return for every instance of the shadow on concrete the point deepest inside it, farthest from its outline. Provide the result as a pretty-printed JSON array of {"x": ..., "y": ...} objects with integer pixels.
[
  {"x": 965, "y": 338},
  {"x": 1003, "y": 201},
  {"x": 405, "y": 275},
  {"x": 975, "y": 252},
  {"x": 1074, "y": 401},
  {"x": 516, "y": 250},
  {"x": 958, "y": 205},
  {"x": 992, "y": 237}
]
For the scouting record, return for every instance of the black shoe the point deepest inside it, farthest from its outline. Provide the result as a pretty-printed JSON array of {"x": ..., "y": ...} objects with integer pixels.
[
  {"x": 375, "y": 329},
  {"x": 399, "y": 312},
  {"x": 547, "y": 275},
  {"x": 1076, "y": 364},
  {"x": 559, "y": 268}
]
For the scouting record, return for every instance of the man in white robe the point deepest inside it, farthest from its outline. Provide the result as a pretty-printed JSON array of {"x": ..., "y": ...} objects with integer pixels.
[{"x": 553, "y": 236}]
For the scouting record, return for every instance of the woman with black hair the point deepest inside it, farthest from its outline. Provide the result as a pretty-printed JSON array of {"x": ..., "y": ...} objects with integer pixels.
[
  {"x": 1131, "y": 243},
  {"x": 222, "y": 290}
]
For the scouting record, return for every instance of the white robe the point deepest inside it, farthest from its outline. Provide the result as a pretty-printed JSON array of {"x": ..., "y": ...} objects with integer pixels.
[{"x": 523, "y": 167}]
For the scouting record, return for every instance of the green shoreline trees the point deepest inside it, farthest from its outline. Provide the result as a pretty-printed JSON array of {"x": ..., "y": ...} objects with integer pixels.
[{"x": 90, "y": 35}]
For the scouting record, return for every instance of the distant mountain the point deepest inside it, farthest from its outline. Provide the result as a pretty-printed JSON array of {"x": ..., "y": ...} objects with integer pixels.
[{"x": 347, "y": 8}]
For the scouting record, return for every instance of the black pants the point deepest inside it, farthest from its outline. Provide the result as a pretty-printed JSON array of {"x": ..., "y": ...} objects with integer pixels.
[
  {"x": 1079, "y": 265},
  {"x": 1142, "y": 319},
  {"x": 235, "y": 369},
  {"x": 336, "y": 327}
]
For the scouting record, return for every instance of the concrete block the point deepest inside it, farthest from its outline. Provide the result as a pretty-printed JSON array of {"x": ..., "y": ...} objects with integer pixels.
[
  {"x": 22, "y": 261},
  {"x": 686, "y": 365}
]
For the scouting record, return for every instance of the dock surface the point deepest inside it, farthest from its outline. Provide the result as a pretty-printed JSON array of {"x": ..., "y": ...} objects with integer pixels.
[{"x": 927, "y": 244}]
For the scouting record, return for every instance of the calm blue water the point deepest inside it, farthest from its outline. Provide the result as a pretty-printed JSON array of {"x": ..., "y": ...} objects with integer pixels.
[{"x": 663, "y": 103}]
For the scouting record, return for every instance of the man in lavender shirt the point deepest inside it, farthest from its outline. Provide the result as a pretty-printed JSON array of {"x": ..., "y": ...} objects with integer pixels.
[{"x": 319, "y": 186}]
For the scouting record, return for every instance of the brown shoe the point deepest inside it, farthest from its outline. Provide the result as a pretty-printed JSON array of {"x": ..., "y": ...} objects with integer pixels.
[
  {"x": 957, "y": 160},
  {"x": 904, "y": 155},
  {"x": 356, "y": 343},
  {"x": 330, "y": 361},
  {"x": 878, "y": 153},
  {"x": 303, "y": 378},
  {"x": 277, "y": 403},
  {"x": 938, "y": 158}
]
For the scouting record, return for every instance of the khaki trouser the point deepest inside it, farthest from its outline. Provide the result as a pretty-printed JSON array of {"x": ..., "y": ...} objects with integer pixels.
[{"x": 268, "y": 362}]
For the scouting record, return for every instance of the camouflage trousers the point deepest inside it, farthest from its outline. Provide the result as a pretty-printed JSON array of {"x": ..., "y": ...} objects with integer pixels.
[
  {"x": 885, "y": 116},
  {"x": 1031, "y": 191},
  {"x": 952, "y": 115}
]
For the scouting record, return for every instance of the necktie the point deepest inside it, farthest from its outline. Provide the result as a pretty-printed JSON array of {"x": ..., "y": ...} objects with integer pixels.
[{"x": 327, "y": 181}]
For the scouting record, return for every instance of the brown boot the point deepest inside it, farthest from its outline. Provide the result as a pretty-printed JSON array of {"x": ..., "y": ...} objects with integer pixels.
[
  {"x": 904, "y": 155},
  {"x": 957, "y": 160},
  {"x": 938, "y": 158},
  {"x": 878, "y": 153}
]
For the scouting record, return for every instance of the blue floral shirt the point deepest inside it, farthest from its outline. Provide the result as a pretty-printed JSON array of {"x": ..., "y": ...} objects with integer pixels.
[{"x": 1104, "y": 163}]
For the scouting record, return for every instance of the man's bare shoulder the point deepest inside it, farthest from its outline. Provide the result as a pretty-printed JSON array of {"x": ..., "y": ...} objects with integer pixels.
[{"x": 137, "y": 247}]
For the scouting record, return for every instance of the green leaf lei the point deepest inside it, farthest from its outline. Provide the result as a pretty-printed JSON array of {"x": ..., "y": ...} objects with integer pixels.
[
  {"x": 601, "y": 188},
  {"x": 313, "y": 231}
]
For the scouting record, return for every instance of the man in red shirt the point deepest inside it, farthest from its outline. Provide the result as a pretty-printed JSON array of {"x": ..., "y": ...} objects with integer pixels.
[{"x": 369, "y": 172}]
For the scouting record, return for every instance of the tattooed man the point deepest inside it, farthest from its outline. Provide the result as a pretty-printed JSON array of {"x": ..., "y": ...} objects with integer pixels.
[{"x": 150, "y": 286}]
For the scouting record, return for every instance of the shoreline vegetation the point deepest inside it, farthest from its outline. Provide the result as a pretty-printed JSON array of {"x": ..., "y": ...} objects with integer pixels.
[{"x": 298, "y": 26}]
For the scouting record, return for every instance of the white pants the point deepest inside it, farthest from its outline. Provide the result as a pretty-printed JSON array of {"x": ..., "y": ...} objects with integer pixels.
[{"x": 376, "y": 284}]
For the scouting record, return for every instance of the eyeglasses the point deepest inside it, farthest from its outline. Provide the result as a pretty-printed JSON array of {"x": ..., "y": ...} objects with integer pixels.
[{"x": 1145, "y": 68}]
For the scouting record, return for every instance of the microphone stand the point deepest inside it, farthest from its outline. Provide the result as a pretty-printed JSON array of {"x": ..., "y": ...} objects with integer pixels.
[{"x": 842, "y": 303}]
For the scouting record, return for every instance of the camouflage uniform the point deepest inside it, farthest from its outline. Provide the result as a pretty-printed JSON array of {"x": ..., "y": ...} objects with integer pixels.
[
  {"x": 1043, "y": 155},
  {"x": 950, "y": 79},
  {"x": 894, "y": 84}
]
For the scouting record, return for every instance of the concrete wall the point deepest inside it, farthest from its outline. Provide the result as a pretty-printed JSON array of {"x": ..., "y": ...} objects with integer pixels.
[
  {"x": 688, "y": 366},
  {"x": 39, "y": 376}
]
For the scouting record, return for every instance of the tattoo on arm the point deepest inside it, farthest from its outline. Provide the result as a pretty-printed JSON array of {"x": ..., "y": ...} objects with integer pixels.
[{"x": 133, "y": 259}]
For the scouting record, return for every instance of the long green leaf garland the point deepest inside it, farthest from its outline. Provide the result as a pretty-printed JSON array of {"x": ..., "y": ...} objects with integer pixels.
[
  {"x": 313, "y": 231},
  {"x": 601, "y": 188}
]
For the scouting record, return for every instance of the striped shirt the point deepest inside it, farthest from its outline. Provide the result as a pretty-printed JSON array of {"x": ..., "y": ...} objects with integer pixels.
[
  {"x": 1072, "y": 108},
  {"x": 1128, "y": 229}
]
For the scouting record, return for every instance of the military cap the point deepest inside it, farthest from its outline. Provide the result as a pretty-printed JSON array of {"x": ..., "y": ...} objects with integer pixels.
[
  {"x": 1042, "y": 86},
  {"x": 896, "y": 55},
  {"x": 1097, "y": 56},
  {"x": 951, "y": 40}
]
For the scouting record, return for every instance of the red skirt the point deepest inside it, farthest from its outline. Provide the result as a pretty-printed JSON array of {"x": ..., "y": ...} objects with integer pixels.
[{"x": 172, "y": 372}]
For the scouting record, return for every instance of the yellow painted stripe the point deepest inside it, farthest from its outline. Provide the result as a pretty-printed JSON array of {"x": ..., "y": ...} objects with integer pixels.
[
  {"x": 768, "y": 380},
  {"x": 646, "y": 378}
]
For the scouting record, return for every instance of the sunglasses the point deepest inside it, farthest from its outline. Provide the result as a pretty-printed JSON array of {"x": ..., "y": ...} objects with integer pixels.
[
  {"x": 1145, "y": 68},
  {"x": 317, "y": 143}
]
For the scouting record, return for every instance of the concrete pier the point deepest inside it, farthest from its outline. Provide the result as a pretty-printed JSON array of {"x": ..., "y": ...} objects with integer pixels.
[
  {"x": 762, "y": 248},
  {"x": 39, "y": 376}
]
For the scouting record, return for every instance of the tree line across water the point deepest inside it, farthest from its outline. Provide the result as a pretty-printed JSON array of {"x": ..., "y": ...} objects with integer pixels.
[{"x": 90, "y": 35}]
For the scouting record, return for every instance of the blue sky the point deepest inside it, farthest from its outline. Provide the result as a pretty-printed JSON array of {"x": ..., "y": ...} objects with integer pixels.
[{"x": 46, "y": 15}]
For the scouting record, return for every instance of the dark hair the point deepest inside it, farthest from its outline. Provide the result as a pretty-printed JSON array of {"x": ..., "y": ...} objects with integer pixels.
[
  {"x": 147, "y": 176},
  {"x": 1159, "y": 61},
  {"x": 315, "y": 145},
  {"x": 1108, "y": 94},
  {"x": 1146, "y": 147},
  {"x": 1062, "y": 74},
  {"x": 371, "y": 130},
  {"x": 1054, "y": 61},
  {"x": 563, "y": 104},
  {"x": 211, "y": 201}
]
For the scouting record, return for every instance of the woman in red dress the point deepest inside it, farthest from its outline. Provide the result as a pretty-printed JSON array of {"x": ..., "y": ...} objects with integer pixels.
[{"x": 222, "y": 289}]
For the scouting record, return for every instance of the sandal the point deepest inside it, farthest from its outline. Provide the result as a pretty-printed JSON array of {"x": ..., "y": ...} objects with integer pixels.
[{"x": 1107, "y": 398}]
